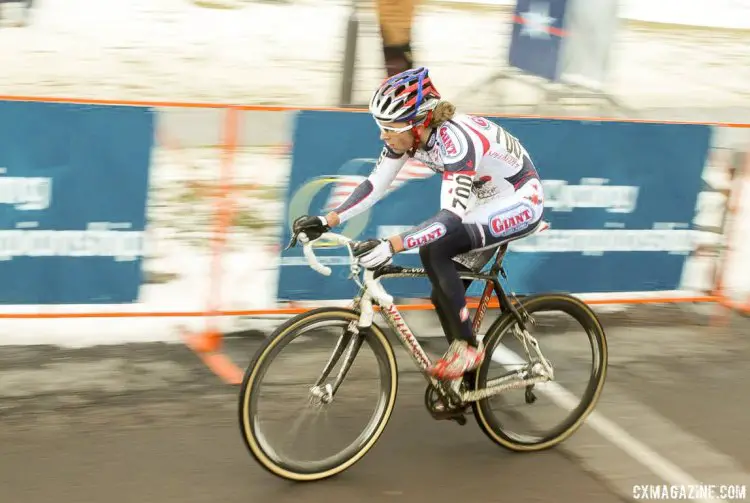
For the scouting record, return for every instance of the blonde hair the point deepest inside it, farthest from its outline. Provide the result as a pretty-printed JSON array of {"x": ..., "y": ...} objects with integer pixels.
[{"x": 444, "y": 111}]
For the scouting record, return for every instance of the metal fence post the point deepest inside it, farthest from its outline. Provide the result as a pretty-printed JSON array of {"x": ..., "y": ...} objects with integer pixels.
[{"x": 350, "y": 55}]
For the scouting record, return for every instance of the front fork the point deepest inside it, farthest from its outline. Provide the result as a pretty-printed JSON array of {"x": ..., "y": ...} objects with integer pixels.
[{"x": 348, "y": 345}]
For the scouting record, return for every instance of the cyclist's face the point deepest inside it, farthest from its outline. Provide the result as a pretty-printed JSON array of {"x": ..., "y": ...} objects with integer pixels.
[{"x": 396, "y": 137}]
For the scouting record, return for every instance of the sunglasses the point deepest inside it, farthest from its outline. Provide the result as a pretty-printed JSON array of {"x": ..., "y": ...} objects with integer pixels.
[{"x": 391, "y": 129}]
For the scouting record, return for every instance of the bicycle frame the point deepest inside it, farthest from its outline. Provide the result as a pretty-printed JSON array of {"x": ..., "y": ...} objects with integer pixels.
[{"x": 372, "y": 293}]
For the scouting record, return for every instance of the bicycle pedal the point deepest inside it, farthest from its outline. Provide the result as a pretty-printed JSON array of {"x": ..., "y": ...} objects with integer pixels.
[
  {"x": 460, "y": 419},
  {"x": 529, "y": 395},
  {"x": 456, "y": 414},
  {"x": 452, "y": 415}
]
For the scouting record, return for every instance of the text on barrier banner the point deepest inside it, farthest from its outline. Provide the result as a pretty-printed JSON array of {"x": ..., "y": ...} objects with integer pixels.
[{"x": 73, "y": 191}]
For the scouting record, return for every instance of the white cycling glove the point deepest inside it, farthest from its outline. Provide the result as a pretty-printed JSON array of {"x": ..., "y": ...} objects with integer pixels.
[{"x": 378, "y": 256}]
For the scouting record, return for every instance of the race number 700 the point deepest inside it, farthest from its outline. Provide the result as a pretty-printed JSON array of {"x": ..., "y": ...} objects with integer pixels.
[{"x": 462, "y": 192}]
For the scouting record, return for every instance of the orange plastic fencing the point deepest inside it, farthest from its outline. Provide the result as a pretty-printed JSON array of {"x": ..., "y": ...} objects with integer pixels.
[{"x": 209, "y": 339}]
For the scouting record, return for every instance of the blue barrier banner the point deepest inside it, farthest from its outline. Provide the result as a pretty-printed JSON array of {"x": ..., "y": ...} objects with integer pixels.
[
  {"x": 620, "y": 198},
  {"x": 73, "y": 193},
  {"x": 537, "y": 37}
]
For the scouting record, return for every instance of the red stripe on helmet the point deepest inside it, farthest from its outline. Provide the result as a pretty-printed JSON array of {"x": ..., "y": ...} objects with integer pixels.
[{"x": 410, "y": 89}]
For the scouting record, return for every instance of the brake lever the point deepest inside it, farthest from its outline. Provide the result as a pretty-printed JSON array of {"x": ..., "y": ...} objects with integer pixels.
[{"x": 292, "y": 241}]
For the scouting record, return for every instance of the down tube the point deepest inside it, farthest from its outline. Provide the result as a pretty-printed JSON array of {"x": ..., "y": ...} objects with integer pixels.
[{"x": 407, "y": 337}]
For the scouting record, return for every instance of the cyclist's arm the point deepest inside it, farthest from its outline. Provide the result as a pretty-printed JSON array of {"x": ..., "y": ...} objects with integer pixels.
[
  {"x": 455, "y": 193},
  {"x": 372, "y": 189},
  {"x": 454, "y": 197}
]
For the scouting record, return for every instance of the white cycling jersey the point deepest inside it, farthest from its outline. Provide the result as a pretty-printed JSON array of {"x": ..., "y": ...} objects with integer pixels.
[{"x": 489, "y": 180}]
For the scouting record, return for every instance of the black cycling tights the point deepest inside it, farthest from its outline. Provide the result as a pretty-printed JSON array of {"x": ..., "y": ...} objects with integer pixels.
[{"x": 448, "y": 289}]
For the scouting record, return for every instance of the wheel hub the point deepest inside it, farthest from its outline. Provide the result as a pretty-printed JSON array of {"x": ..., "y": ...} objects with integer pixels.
[{"x": 324, "y": 394}]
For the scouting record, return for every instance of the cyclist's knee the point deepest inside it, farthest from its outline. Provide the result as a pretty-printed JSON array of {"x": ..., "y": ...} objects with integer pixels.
[
  {"x": 436, "y": 296},
  {"x": 424, "y": 253},
  {"x": 431, "y": 252},
  {"x": 427, "y": 255}
]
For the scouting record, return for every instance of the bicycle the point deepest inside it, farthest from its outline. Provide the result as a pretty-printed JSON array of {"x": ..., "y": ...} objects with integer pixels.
[{"x": 451, "y": 401}]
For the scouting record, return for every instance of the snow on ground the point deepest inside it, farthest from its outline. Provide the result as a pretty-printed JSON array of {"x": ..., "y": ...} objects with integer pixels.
[{"x": 181, "y": 225}]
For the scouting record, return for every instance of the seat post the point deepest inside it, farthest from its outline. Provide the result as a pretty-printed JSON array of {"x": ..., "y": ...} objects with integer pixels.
[{"x": 499, "y": 256}]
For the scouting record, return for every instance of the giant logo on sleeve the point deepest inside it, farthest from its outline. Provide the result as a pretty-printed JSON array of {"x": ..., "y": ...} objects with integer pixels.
[{"x": 426, "y": 235}]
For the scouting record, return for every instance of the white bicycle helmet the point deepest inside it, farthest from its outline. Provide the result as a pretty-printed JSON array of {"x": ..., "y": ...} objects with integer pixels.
[{"x": 405, "y": 97}]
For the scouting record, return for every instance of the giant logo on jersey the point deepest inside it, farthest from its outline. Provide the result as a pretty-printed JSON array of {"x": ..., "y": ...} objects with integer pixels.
[
  {"x": 481, "y": 122},
  {"x": 454, "y": 145},
  {"x": 512, "y": 220},
  {"x": 449, "y": 147}
]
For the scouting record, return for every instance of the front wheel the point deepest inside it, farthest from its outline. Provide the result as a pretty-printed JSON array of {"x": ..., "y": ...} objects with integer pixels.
[
  {"x": 310, "y": 353},
  {"x": 555, "y": 322}
]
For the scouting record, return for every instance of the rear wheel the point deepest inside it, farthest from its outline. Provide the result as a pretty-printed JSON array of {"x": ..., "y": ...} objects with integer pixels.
[{"x": 557, "y": 323}]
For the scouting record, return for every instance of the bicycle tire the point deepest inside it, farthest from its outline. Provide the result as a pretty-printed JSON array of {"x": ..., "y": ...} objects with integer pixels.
[
  {"x": 383, "y": 350},
  {"x": 588, "y": 319}
]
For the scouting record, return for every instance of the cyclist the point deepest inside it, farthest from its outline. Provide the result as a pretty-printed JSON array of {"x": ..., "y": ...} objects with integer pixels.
[{"x": 491, "y": 194}]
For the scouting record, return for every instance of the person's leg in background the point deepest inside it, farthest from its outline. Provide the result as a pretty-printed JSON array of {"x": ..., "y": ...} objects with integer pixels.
[
  {"x": 27, "y": 12},
  {"x": 395, "y": 18},
  {"x": 21, "y": 19}
]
